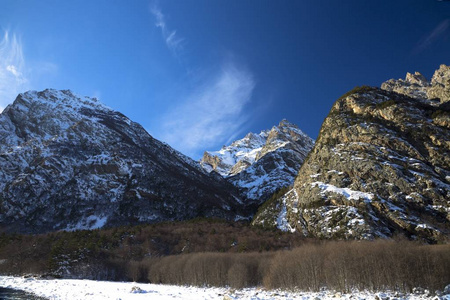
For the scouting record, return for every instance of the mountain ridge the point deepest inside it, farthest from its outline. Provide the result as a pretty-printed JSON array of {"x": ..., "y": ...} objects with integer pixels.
[
  {"x": 379, "y": 167},
  {"x": 69, "y": 162}
]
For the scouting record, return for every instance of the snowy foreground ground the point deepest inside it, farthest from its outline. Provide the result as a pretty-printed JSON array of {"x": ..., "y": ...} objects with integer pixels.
[{"x": 89, "y": 289}]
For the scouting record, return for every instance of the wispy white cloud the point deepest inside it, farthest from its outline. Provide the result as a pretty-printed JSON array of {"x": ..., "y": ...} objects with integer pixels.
[
  {"x": 438, "y": 32},
  {"x": 13, "y": 79},
  {"x": 214, "y": 112},
  {"x": 44, "y": 68},
  {"x": 173, "y": 41}
]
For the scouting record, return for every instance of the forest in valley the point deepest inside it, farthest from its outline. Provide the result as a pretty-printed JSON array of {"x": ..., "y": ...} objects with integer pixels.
[{"x": 217, "y": 253}]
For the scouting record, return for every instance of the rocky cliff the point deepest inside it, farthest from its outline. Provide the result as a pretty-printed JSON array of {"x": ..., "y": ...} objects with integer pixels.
[
  {"x": 417, "y": 86},
  {"x": 260, "y": 164},
  {"x": 69, "y": 162},
  {"x": 380, "y": 166}
]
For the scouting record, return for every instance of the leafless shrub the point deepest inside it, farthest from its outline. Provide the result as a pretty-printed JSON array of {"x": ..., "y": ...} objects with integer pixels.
[
  {"x": 237, "y": 256},
  {"x": 377, "y": 265},
  {"x": 137, "y": 271},
  {"x": 212, "y": 269}
]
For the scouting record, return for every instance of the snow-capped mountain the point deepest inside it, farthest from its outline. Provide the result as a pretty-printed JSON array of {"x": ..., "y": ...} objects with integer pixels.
[
  {"x": 260, "y": 164},
  {"x": 232, "y": 159},
  {"x": 69, "y": 162},
  {"x": 380, "y": 166}
]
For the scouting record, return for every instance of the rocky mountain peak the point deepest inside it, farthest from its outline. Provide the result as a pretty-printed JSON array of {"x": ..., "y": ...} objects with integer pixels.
[
  {"x": 417, "y": 86},
  {"x": 440, "y": 84},
  {"x": 285, "y": 127},
  {"x": 250, "y": 141},
  {"x": 41, "y": 115},
  {"x": 251, "y": 148},
  {"x": 69, "y": 162},
  {"x": 65, "y": 99},
  {"x": 286, "y": 123},
  {"x": 286, "y": 132},
  {"x": 379, "y": 167},
  {"x": 416, "y": 78},
  {"x": 260, "y": 164}
]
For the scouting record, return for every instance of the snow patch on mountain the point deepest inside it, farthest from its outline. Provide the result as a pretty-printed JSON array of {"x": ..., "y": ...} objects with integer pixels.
[
  {"x": 346, "y": 192},
  {"x": 68, "y": 162},
  {"x": 260, "y": 164},
  {"x": 244, "y": 151}
]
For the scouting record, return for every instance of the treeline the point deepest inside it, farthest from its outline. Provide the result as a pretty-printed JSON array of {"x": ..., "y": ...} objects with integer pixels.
[
  {"x": 341, "y": 266},
  {"x": 215, "y": 253},
  {"x": 376, "y": 266},
  {"x": 102, "y": 254}
]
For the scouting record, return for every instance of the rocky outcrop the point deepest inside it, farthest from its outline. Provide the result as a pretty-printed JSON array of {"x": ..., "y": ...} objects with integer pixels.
[
  {"x": 380, "y": 167},
  {"x": 417, "y": 86},
  {"x": 69, "y": 162},
  {"x": 260, "y": 164},
  {"x": 440, "y": 84}
]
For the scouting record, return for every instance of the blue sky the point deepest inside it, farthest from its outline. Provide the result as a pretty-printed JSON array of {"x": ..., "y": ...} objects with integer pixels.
[{"x": 198, "y": 74}]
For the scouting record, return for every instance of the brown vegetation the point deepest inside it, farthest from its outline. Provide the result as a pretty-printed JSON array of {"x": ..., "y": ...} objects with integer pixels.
[
  {"x": 377, "y": 265},
  {"x": 237, "y": 270},
  {"x": 220, "y": 254},
  {"x": 81, "y": 252},
  {"x": 341, "y": 266}
]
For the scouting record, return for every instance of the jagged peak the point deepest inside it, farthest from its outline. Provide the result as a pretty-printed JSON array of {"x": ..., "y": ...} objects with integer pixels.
[
  {"x": 417, "y": 86},
  {"x": 286, "y": 123},
  {"x": 251, "y": 135},
  {"x": 416, "y": 78},
  {"x": 443, "y": 71},
  {"x": 64, "y": 98},
  {"x": 443, "y": 67},
  {"x": 286, "y": 127},
  {"x": 240, "y": 154},
  {"x": 42, "y": 115}
]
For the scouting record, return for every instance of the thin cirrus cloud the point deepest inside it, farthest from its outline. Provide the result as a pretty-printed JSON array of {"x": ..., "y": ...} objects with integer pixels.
[
  {"x": 438, "y": 32},
  {"x": 12, "y": 69},
  {"x": 174, "y": 42},
  {"x": 213, "y": 112}
]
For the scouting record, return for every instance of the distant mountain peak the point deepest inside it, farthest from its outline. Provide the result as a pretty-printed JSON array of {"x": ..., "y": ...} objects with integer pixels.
[
  {"x": 286, "y": 123},
  {"x": 261, "y": 163}
]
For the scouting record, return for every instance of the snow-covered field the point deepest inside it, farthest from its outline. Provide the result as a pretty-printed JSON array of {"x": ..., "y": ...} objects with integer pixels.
[{"x": 89, "y": 289}]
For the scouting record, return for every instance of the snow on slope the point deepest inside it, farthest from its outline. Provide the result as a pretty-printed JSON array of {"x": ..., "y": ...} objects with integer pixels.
[
  {"x": 69, "y": 162},
  {"x": 379, "y": 168},
  {"x": 244, "y": 150},
  {"x": 260, "y": 164},
  {"x": 89, "y": 289}
]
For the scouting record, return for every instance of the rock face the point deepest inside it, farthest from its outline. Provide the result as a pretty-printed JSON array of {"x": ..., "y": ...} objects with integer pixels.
[
  {"x": 417, "y": 86},
  {"x": 69, "y": 162},
  {"x": 232, "y": 159},
  {"x": 260, "y": 164},
  {"x": 380, "y": 167}
]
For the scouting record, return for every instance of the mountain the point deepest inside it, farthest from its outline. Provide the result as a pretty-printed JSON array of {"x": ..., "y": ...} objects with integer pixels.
[
  {"x": 417, "y": 86},
  {"x": 380, "y": 166},
  {"x": 260, "y": 164},
  {"x": 69, "y": 162}
]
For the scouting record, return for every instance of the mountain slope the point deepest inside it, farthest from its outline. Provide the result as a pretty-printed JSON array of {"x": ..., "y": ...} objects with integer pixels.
[
  {"x": 260, "y": 164},
  {"x": 69, "y": 162},
  {"x": 381, "y": 166}
]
